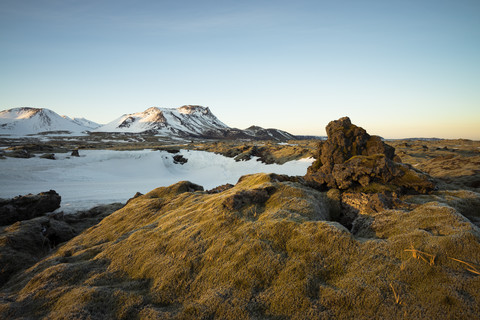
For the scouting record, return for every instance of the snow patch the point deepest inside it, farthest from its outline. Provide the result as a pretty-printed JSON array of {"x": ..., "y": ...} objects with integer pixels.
[{"x": 106, "y": 176}]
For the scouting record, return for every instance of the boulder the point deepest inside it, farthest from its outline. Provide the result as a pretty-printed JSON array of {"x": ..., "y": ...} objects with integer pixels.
[
  {"x": 75, "y": 153},
  {"x": 351, "y": 159},
  {"x": 179, "y": 159},
  {"x": 28, "y": 206},
  {"x": 50, "y": 156}
]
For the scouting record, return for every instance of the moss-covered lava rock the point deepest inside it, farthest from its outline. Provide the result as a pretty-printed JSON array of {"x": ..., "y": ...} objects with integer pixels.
[{"x": 352, "y": 159}]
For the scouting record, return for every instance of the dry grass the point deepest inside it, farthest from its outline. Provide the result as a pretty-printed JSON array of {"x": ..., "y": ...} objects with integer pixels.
[
  {"x": 470, "y": 267},
  {"x": 417, "y": 254},
  {"x": 395, "y": 295}
]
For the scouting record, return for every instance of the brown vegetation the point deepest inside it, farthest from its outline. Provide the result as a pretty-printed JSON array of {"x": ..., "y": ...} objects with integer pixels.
[{"x": 266, "y": 248}]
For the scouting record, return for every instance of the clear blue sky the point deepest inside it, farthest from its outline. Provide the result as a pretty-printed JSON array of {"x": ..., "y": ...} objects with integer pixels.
[{"x": 397, "y": 68}]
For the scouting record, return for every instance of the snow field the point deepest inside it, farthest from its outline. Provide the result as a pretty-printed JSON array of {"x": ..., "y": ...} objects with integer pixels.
[{"x": 106, "y": 176}]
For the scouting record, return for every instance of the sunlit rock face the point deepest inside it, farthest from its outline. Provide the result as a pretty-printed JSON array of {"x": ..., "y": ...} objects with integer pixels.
[{"x": 352, "y": 159}]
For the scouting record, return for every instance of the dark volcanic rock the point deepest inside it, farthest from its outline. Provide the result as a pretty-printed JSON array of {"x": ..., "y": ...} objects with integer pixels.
[
  {"x": 75, "y": 153},
  {"x": 25, "y": 242},
  {"x": 136, "y": 195},
  {"x": 352, "y": 159},
  {"x": 221, "y": 188},
  {"x": 20, "y": 153},
  {"x": 179, "y": 159},
  {"x": 28, "y": 207},
  {"x": 50, "y": 156}
]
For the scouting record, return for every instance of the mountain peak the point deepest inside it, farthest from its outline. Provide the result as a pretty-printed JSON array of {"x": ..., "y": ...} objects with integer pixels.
[
  {"x": 152, "y": 110},
  {"x": 26, "y": 120},
  {"x": 188, "y": 120},
  {"x": 189, "y": 109},
  {"x": 20, "y": 113}
]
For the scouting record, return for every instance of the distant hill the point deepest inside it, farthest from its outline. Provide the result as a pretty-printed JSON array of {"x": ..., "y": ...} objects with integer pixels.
[{"x": 24, "y": 121}]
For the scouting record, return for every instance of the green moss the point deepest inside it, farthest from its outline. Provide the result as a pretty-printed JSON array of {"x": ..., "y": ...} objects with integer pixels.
[{"x": 316, "y": 165}]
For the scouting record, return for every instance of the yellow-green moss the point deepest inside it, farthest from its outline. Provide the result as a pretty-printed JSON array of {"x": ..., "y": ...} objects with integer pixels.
[{"x": 183, "y": 255}]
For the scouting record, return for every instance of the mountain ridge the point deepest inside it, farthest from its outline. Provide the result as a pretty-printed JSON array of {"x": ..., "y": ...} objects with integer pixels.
[
  {"x": 188, "y": 121},
  {"x": 27, "y": 120},
  {"x": 183, "y": 121}
]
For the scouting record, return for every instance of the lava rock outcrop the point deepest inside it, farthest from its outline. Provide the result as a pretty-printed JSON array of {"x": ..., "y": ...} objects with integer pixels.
[
  {"x": 28, "y": 206},
  {"x": 351, "y": 159}
]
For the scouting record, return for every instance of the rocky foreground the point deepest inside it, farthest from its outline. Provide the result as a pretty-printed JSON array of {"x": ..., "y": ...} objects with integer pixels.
[{"x": 363, "y": 235}]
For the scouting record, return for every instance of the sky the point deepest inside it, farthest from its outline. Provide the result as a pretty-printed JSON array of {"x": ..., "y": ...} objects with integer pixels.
[{"x": 399, "y": 69}]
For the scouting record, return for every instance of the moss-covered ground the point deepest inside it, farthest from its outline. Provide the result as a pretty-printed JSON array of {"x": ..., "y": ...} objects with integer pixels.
[{"x": 264, "y": 249}]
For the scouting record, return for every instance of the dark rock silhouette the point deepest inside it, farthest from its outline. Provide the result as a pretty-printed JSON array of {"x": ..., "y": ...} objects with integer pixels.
[
  {"x": 19, "y": 153},
  {"x": 49, "y": 156},
  {"x": 25, "y": 242},
  {"x": 179, "y": 159},
  {"x": 136, "y": 195},
  {"x": 75, "y": 153},
  {"x": 351, "y": 159},
  {"x": 221, "y": 188},
  {"x": 28, "y": 206}
]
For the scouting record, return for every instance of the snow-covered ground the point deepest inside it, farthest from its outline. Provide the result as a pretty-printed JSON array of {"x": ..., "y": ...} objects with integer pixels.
[{"x": 105, "y": 176}]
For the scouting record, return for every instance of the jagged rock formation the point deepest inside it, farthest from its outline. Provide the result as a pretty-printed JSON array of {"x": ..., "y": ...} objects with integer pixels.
[
  {"x": 75, "y": 153},
  {"x": 28, "y": 207},
  {"x": 24, "y": 243},
  {"x": 352, "y": 159},
  {"x": 179, "y": 159}
]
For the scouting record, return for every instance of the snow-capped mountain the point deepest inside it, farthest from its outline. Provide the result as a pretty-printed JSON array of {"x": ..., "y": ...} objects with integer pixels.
[
  {"x": 184, "y": 121},
  {"x": 24, "y": 121}
]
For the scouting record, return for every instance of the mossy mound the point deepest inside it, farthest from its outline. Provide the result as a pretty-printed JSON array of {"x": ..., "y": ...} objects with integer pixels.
[{"x": 264, "y": 249}]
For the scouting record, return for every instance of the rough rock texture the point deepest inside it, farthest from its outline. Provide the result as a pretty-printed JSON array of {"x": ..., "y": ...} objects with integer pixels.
[
  {"x": 179, "y": 159},
  {"x": 28, "y": 206},
  {"x": 352, "y": 159},
  {"x": 24, "y": 243}
]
